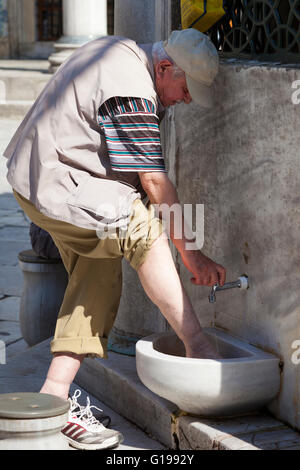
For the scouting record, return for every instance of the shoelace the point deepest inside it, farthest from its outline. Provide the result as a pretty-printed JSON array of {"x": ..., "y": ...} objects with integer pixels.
[{"x": 85, "y": 414}]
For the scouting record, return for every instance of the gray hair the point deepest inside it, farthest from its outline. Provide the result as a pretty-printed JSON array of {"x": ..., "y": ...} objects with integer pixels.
[{"x": 159, "y": 53}]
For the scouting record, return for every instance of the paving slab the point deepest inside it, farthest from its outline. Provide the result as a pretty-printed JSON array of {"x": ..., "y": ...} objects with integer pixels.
[
  {"x": 10, "y": 331},
  {"x": 259, "y": 431},
  {"x": 6, "y": 212},
  {"x": 9, "y": 251},
  {"x": 237, "y": 425},
  {"x": 10, "y": 308},
  {"x": 26, "y": 372},
  {"x": 14, "y": 234},
  {"x": 15, "y": 348},
  {"x": 7, "y": 199},
  {"x": 15, "y": 219},
  {"x": 275, "y": 440},
  {"x": 11, "y": 280}
]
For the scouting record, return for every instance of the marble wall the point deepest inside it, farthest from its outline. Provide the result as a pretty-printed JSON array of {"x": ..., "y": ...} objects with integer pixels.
[{"x": 241, "y": 160}]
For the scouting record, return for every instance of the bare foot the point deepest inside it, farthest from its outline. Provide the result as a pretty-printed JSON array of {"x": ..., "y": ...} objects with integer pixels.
[{"x": 202, "y": 349}]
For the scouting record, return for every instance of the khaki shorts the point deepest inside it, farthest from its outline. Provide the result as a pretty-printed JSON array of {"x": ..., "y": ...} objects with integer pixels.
[{"x": 94, "y": 266}]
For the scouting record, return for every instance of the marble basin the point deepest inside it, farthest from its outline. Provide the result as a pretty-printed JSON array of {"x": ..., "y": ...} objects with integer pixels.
[{"x": 245, "y": 380}]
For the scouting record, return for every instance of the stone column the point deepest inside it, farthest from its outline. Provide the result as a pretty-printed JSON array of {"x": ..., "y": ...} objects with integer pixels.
[
  {"x": 83, "y": 21},
  {"x": 137, "y": 316},
  {"x": 135, "y": 19}
]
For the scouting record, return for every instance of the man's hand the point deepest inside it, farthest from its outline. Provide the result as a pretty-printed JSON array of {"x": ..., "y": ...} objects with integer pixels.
[{"x": 206, "y": 272}]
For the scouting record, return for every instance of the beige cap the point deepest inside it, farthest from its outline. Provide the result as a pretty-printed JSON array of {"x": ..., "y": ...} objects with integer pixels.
[{"x": 196, "y": 55}]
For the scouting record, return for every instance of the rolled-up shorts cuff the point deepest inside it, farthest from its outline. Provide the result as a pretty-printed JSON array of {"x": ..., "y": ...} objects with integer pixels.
[
  {"x": 142, "y": 250},
  {"x": 143, "y": 230},
  {"x": 88, "y": 346}
]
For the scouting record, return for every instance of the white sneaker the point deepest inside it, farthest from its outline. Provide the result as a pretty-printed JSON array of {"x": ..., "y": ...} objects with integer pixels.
[{"x": 84, "y": 431}]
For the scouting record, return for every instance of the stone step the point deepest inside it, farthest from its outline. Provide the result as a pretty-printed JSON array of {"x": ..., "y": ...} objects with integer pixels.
[
  {"x": 22, "y": 87},
  {"x": 115, "y": 382},
  {"x": 21, "y": 82},
  {"x": 14, "y": 109}
]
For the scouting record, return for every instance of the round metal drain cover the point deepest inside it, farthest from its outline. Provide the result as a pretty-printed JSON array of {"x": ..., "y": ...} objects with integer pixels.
[{"x": 31, "y": 405}]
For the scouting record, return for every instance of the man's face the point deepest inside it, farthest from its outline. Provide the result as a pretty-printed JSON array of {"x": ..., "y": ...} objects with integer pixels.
[{"x": 170, "y": 90}]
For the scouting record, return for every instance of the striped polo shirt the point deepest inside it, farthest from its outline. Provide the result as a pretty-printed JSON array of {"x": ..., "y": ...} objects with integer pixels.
[{"x": 131, "y": 129}]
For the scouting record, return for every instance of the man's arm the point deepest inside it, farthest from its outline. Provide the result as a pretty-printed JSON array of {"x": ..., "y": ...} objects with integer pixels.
[{"x": 161, "y": 190}]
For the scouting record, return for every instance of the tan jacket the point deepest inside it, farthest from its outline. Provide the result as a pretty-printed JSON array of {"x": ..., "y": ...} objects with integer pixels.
[{"x": 58, "y": 158}]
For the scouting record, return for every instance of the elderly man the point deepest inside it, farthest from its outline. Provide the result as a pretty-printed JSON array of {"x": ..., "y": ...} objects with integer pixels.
[{"x": 81, "y": 161}]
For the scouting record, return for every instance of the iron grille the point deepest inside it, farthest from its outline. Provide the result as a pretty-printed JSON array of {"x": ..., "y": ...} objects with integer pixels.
[
  {"x": 49, "y": 19},
  {"x": 258, "y": 29}
]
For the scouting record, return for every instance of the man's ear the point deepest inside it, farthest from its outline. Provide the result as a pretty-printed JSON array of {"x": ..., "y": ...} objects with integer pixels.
[{"x": 162, "y": 66}]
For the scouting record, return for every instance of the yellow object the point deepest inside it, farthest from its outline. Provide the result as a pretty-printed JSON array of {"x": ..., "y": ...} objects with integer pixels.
[{"x": 201, "y": 14}]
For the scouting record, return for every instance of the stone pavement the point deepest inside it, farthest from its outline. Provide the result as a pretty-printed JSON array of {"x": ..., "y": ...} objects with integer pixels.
[
  {"x": 25, "y": 367},
  {"x": 14, "y": 237}
]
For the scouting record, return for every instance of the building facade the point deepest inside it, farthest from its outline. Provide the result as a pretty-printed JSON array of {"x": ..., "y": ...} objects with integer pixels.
[{"x": 30, "y": 28}]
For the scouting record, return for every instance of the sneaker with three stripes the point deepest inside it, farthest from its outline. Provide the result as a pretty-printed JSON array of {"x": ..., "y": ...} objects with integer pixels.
[{"x": 84, "y": 431}]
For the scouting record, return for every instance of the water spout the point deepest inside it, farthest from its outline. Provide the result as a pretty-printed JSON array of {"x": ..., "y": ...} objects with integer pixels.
[{"x": 242, "y": 283}]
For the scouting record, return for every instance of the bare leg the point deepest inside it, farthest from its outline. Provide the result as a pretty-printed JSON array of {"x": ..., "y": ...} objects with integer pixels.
[
  {"x": 162, "y": 284},
  {"x": 61, "y": 373}
]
